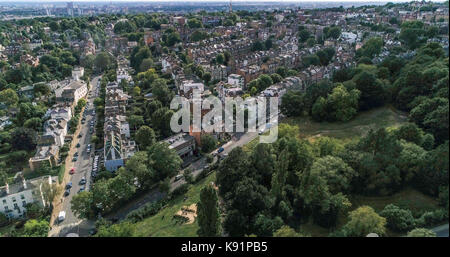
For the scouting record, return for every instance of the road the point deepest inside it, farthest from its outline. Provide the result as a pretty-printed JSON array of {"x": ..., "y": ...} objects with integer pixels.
[
  {"x": 441, "y": 231},
  {"x": 83, "y": 165}
]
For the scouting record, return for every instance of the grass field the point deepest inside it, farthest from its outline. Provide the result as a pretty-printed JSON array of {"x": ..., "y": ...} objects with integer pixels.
[
  {"x": 162, "y": 224},
  {"x": 385, "y": 116},
  {"x": 407, "y": 199},
  {"x": 381, "y": 117}
]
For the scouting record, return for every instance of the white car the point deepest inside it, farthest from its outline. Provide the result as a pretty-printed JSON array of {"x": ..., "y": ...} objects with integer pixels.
[{"x": 61, "y": 216}]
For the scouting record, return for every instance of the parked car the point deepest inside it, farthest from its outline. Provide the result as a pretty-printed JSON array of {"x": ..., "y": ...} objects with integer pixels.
[
  {"x": 72, "y": 171},
  {"x": 221, "y": 149},
  {"x": 78, "y": 145},
  {"x": 82, "y": 181},
  {"x": 81, "y": 189},
  {"x": 61, "y": 216},
  {"x": 74, "y": 159},
  {"x": 67, "y": 192},
  {"x": 69, "y": 185},
  {"x": 80, "y": 135},
  {"x": 178, "y": 177}
]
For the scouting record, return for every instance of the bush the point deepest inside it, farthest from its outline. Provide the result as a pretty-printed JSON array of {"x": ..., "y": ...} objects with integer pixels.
[
  {"x": 180, "y": 219},
  {"x": 432, "y": 218},
  {"x": 209, "y": 158},
  {"x": 203, "y": 174},
  {"x": 398, "y": 219},
  {"x": 421, "y": 232},
  {"x": 147, "y": 210},
  {"x": 181, "y": 190}
]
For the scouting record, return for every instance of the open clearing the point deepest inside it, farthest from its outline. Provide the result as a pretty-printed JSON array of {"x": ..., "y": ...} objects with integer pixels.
[
  {"x": 162, "y": 224},
  {"x": 381, "y": 117}
]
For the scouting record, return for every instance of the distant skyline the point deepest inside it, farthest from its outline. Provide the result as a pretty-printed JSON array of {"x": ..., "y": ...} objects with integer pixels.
[{"x": 75, "y": 1}]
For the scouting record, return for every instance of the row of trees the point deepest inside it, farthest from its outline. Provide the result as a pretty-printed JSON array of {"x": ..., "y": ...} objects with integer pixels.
[{"x": 144, "y": 169}]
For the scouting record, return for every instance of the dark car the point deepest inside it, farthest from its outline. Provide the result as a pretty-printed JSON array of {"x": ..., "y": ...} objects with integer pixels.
[
  {"x": 81, "y": 189},
  {"x": 220, "y": 150},
  {"x": 82, "y": 181},
  {"x": 69, "y": 185},
  {"x": 67, "y": 192}
]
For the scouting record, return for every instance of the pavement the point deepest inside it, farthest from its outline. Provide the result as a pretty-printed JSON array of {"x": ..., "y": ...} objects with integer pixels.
[
  {"x": 83, "y": 167},
  {"x": 441, "y": 231}
]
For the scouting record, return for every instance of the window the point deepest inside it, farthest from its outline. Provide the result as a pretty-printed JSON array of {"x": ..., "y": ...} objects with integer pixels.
[
  {"x": 24, "y": 203},
  {"x": 4, "y": 201},
  {"x": 13, "y": 199},
  {"x": 22, "y": 197},
  {"x": 6, "y": 208},
  {"x": 16, "y": 206}
]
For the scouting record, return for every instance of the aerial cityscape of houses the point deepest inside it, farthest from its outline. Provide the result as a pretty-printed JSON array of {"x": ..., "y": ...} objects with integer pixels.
[{"x": 85, "y": 92}]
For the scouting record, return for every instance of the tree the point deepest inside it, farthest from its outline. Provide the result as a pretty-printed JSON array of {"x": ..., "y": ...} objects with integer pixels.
[
  {"x": 82, "y": 205},
  {"x": 371, "y": 88},
  {"x": 146, "y": 64},
  {"x": 432, "y": 115},
  {"x": 136, "y": 120},
  {"x": 9, "y": 97},
  {"x": 286, "y": 231},
  {"x": 398, "y": 219},
  {"x": 231, "y": 170},
  {"x": 102, "y": 61},
  {"x": 137, "y": 165},
  {"x": 434, "y": 172},
  {"x": 35, "y": 228},
  {"x": 163, "y": 160},
  {"x": 124, "y": 27},
  {"x": 409, "y": 132},
  {"x": 334, "y": 32},
  {"x": 208, "y": 212},
  {"x": 207, "y": 77},
  {"x": 145, "y": 137},
  {"x": 208, "y": 143},
  {"x": 220, "y": 58},
  {"x": 23, "y": 139},
  {"x": 293, "y": 104},
  {"x": 122, "y": 229},
  {"x": 54, "y": 26},
  {"x": 319, "y": 109},
  {"x": 304, "y": 35},
  {"x": 194, "y": 23},
  {"x": 363, "y": 221},
  {"x": 265, "y": 226},
  {"x": 162, "y": 92},
  {"x": 310, "y": 42},
  {"x": 421, "y": 232},
  {"x": 372, "y": 47},
  {"x": 161, "y": 121},
  {"x": 410, "y": 33}
]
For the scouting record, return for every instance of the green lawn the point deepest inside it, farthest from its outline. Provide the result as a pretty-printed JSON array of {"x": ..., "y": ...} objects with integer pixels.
[
  {"x": 381, "y": 117},
  {"x": 162, "y": 224},
  {"x": 407, "y": 199}
]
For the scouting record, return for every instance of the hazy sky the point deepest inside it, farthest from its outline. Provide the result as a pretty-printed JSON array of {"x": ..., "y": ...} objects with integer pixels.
[{"x": 212, "y": 1}]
